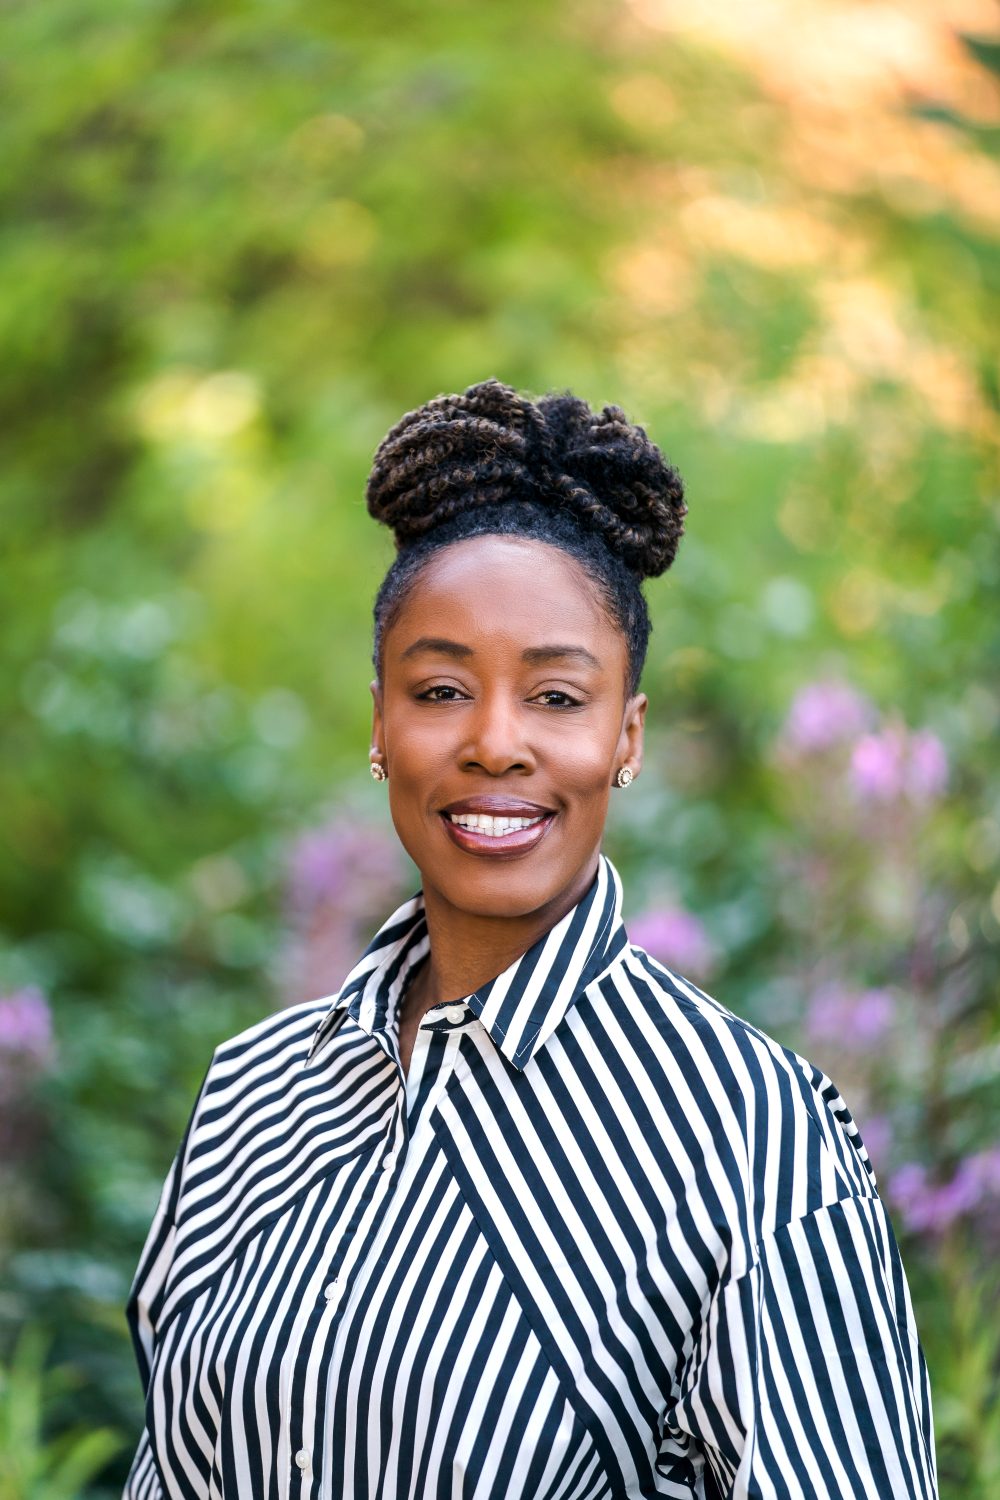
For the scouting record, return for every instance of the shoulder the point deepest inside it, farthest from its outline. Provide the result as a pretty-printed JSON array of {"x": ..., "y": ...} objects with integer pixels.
[
  {"x": 759, "y": 1113},
  {"x": 282, "y": 1033},
  {"x": 703, "y": 1026},
  {"x": 264, "y": 1129},
  {"x": 251, "y": 1073},
  {"x": 259, "y": 1104}
]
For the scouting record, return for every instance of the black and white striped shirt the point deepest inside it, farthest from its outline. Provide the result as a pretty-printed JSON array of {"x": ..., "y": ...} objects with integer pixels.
[{"x": 604, "y": 1239}]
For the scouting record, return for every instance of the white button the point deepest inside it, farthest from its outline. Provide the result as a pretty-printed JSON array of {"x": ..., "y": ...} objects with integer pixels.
[
  {"x": 389, "y": 1163},
  {"x": 302, "y": 1458},
  {"x": 454, "y": 1014},
  {"x": 330, "y": 1292}
]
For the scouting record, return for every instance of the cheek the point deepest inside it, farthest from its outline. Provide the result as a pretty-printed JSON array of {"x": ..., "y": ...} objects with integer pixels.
[
  {"x": 583, "y": 775},
  {"x": 421, "y": 766},
  {"x": 587, "y": 774},
  {"x": 417, "y": 746},
  {"x": 587, "y": 758}
]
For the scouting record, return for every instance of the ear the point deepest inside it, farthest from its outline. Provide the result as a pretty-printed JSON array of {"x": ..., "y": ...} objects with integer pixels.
[
  {"x": 378, "y": 737},
  {"x": 630, "y": 742}
]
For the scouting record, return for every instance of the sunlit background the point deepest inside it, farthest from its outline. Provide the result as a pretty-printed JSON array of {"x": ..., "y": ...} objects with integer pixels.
[{"x": 238, "y": 241}]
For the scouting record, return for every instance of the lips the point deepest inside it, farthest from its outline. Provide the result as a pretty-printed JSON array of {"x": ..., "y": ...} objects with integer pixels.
[
  {"x": 494, "y": 825},
  {"x": 492, "y": 803}
]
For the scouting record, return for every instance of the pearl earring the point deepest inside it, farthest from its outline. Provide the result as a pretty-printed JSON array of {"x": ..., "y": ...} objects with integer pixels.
[
  {"x": 624, "y": 777},
  {"x": 378, "y": 770}
]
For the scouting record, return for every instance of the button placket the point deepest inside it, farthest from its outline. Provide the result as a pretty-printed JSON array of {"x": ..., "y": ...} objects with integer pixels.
[
  {"x": 335, "y": 1288},
  {"x": 361, "y": 1268},
  {"x": 334, "y": 1292},
  {"x": 395, "y": 1147},
  {"x": 333, "y": 1296}
]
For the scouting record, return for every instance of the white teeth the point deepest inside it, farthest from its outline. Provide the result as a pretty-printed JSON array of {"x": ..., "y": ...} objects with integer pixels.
[{"x": 493, "y": 827}]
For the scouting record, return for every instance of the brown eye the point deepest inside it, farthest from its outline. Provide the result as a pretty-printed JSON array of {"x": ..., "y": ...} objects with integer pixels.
[
  {"x": 443, "y": 692},
  {"x": 553, "y": 698}
]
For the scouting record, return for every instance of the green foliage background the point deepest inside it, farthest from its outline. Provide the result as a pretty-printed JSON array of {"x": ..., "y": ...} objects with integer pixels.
[{"x": 238, "y": 242}]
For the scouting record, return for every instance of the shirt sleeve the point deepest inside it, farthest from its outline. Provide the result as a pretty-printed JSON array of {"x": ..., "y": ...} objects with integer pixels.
[
  {"x": 145, "y": 1301},
  {"x": 141, "y": 1313},
  {"x": 808, "y": 1378},
  {"x": 143, "y": 1482},
  {"x": 150, "y": 1279}
]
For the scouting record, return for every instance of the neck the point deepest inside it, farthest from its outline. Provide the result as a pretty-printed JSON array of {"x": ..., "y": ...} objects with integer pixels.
[{"x": 467, "y": 950}]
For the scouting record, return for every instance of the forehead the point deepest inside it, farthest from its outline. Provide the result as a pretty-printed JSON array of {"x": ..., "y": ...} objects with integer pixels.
[{"x": 507, "y": 591}]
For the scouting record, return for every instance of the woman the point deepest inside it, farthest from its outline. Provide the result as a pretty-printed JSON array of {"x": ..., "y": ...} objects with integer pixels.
[{"x": 519, "y": 1212}]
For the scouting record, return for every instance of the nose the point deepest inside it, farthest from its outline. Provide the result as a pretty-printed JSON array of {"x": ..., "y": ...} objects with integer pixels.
[{"x": 497, "y": 738}]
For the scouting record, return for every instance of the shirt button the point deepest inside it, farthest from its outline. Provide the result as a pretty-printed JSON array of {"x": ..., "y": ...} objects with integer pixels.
[
  {"x": 454, "y": 1014},
  {"x": 302, "y": 1458},
  {"x": 329, "y": 1292},
  {"x": 388, "y": 1163}
]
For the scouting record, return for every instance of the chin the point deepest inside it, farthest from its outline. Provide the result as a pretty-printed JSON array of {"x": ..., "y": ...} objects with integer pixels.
[
  {"x": 507, "y": 889},
  {"x": 490, "y": 899}
]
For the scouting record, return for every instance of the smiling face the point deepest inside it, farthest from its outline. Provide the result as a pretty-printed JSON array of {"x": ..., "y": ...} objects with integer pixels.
[{"x": 502, "y": 719}]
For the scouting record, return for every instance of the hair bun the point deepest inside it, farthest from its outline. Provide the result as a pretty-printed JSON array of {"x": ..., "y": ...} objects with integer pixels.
[{"x": 491, "y": 445}]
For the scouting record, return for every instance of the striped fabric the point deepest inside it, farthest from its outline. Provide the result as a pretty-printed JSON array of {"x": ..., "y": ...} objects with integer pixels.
[{"x": 605, "y": 1239}]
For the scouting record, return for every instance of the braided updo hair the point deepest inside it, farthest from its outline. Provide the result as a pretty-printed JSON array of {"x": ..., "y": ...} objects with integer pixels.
[{"x": 490, "y": 462}]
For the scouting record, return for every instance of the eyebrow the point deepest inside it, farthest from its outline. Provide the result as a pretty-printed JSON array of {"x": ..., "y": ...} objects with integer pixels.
[
  {"x": 539, "y": 656},
  {"x": 534, "y": 656},
  {"x": 438, "y": 646}
]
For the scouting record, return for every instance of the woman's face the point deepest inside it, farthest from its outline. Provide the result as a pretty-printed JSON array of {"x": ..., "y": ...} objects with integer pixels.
[{"x": 502, "y": 721}]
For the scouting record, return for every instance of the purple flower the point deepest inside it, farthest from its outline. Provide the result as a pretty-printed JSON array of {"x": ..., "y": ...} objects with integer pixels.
[
  {"x": 908, "y": 1189},
  {"x": 853, "y": 1019},
  {"x": 344, "y": 878},
  {"x": 25, "y": 1028},
  {"x": 823, "y": 714},
  {"x": 957, "y": 1197},
  {"x": 981, "y": 1172},
  {"x": 26, "y": 1050},
  {"x": 877, "y": 765},
  {"x": 926, "y": 767},
  {"x": 877, "y": 1136},
  {"x": 673, "y": 936},
  {"x": 932, "y": 1208},
  {"x": 893, "y": 763},
  {"x": 872, "y": 1014},
  {"x": 350, "y": 865}
]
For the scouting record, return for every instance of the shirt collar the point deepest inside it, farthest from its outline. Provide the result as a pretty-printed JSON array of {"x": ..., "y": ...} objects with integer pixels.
[{"x": 521, "y": 1007}]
